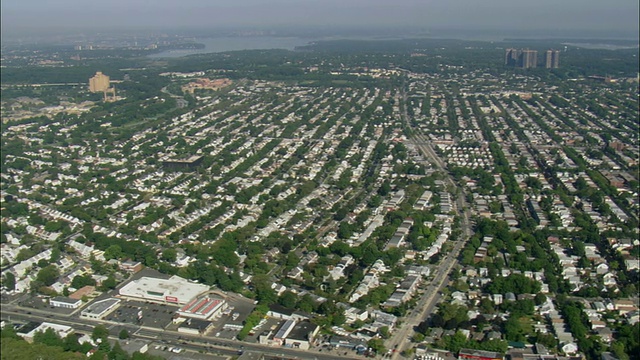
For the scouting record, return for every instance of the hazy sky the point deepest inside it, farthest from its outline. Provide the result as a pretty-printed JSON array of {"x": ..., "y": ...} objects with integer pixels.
[{"x": 605, "y": 16}]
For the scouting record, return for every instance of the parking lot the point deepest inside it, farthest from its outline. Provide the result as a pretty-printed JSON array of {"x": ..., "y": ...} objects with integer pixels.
[
  {"x": 223, "y": 334},
  {"x": 39, "y": 303},
  {"x": 153, "y": 315},
  {"x": 165, "y": 351},
  {"x": 239, "y": 305}
]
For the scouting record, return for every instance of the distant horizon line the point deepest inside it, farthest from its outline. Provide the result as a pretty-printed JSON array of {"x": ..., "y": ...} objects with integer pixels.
[{"x": 472, "y": 33}]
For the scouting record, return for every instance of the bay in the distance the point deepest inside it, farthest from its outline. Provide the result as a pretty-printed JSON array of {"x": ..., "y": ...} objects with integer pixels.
[{"x": 236, "y": 43}]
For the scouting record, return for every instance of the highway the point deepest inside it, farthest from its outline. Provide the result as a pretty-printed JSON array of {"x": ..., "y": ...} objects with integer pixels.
[{"x": 431, "y": 296}]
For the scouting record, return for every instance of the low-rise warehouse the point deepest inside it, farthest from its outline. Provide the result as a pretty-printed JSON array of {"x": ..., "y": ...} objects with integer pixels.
[{"x": 203, "y": 308}]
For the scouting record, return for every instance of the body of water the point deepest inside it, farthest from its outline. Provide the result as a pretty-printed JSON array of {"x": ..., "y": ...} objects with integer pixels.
[
  {"x": 235, "y": 43},
  {"x": 600, "y": 46}
]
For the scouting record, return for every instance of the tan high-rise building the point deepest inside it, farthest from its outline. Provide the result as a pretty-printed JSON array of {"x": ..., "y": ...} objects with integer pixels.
[
  {"x": 529, "y": 59},
  {"x": 99, "y": 82},
  {"x": 552, "y": 59}
]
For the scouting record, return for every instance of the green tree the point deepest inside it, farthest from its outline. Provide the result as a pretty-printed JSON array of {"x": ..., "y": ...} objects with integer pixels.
[
  {"x": 546, "y": 339},
  {"x": 540, "y": 298},
  {"x": 48, "y": 337},
  {"x": 71, "y": 343},
  {"x": 80, "y": 281},
  {"x": 455, "y": 342},
  {"x": 9, "y": 281},
  {"x": 48, "y": 275},
  {"x": 306, "y": 303},
  {"x": 113, "y": 252},
  {"x": 98, "y": 355},
  {"x": 24, "y": 254},
  {"x": 288, "y": 299},
  {"x": 169, "y": 255},
  {"x": 377, "y": 345},
  {"x": 124, "y": 334},
  {"x": 117, "y": 353},
  {"x": 292, "y": 260},
  {"x": 53, "y": 226},
  {"x": 108, "y": 283},
  {"x": 100, "y": 332},
  {"x": 513, "y": 329},
  {"x": 264, "y": 293},
  {"x": 9, "y": 332},
  {"x": 11, "y": 348},
  {"x": 617, "y": 348}
]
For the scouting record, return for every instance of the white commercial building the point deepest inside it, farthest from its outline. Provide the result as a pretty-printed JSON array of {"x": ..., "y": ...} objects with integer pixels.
[
  {"x": 100, "y": 309},
  {"x": 174, "y": 290},
  {"x": 65, "y": 302}
]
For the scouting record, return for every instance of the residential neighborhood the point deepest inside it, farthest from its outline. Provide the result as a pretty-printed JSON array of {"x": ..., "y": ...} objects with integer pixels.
[{"x": 385, "y": 210}]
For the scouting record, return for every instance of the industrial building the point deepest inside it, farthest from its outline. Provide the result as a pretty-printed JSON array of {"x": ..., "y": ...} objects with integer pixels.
[{"x": 174, "y": 290}]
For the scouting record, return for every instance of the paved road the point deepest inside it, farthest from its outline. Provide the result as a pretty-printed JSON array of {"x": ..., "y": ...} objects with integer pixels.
[
  {"x": 196, "y": 343},
  {"x": 432, "y": 296}
]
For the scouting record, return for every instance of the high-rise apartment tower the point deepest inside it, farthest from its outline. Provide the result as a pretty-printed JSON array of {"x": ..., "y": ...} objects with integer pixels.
[
  {"x": 521, "y": 58},
  {"x": 552, "y": 59},
  {"x": 511, "y": 57},
  {"x": 529, "y": 59},
  {"x": 99, "y": 82}
]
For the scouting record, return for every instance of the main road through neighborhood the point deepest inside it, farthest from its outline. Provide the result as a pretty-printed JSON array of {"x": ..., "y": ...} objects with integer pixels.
[{"x": 431, "y": 296}]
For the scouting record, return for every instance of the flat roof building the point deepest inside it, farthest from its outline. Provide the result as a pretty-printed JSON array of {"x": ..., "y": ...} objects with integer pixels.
[
  {"x": 100, "y": 309},
  {"x": 61, "y": 330},
  {"x": 175, "y": 290},
  {"x": 65, "y": 302},
  {"x": 183, "y": 164},
  {"x": 195, "y": 326},
  {"x": 203, "y": 308},
  {"x": 302, "y": 335},
  {"x": 284, "y": 331}
]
